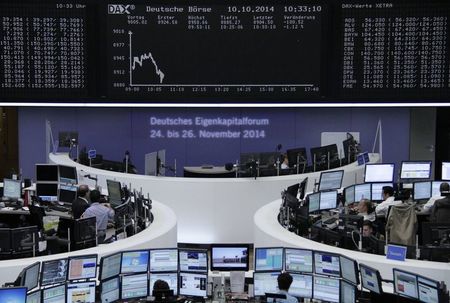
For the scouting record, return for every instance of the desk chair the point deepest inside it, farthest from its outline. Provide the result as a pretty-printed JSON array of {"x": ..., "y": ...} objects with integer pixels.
[{"x": 273, "y": 297}]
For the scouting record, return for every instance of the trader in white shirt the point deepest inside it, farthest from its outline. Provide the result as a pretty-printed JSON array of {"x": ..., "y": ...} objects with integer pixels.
[
  {"x": 444, "y": 187},
  {"x": 389, "y": 200}
]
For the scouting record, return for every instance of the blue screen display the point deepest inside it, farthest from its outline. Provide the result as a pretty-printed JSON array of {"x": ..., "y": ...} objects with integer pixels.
[
  {"x": 13, "y": 295},
  {"x": 135, "y": 261}
]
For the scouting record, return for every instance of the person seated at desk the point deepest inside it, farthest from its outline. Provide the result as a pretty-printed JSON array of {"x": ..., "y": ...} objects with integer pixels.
[
  {"x": 103, "y": 212},
  {"x": 284, "y": 282},
  {"x": 365, "y": 209},
  {"x": 367, "y": 230},
  {"x": 440, "y": 212},
  {"x": 389, "y": 200},
  {"x": 81, "y": 203},
  {"x": 285, "y": 163},
  {"x": 160, "y": 290},
  {"x": 444, "y": 187}
]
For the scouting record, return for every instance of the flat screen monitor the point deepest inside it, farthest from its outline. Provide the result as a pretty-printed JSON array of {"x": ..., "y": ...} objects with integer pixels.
[
  {"x": 362, "y": 191},
  {"x": 82, "y": 267},
  {"x": 162, "y": 260},
  {"x": 110, "y": 266},
  {"x": 405, "y": 284},
  {"x": 192, "y": 260},
  {"x": 13, "y": 295},
  {"x": 30, "y": 277},
  {"x": 268, "y": 159},
  {"x": 293, "y": 190},
  {"x": 229, "y": 257},
  {"x": 433, "y": 233},
  {"x": 268, "y": 258},
  {"x": 445, "y": 173},
  {"x": 12, "y": 188},
  {"x": 436, "y": 188},
  {"x": 313, "y": 202},
  {"x": 170, "y": 277},
  {"x": 68, "y": 174},
  {"x": 110, "y": 290},
  {"x": 349, "y": 270},
  {"x": 328, "y": 199},
  {"x": 47, "y": 192},
  {"x": 134, "y": 261},
  {"x": 331, "y": 180},
  {"x": 265, "y": 282},
  {"x": 296, "y": 155},
  {"x": 47, "y": 173},
  {"x": 326, "y": 264},
  {"x": 415, "y": 170},
  {"x": 422, "y": 190},
  {"x": 379, "y": 173},
  {"x": 5, "y": 243},
  {"x": 24, "y": 239},
  {"x": 134, "y": 286},
  {"x": 370, "y": 278},
  {"x": 428, "y": 290},
  {"x": 114, "y": 192},
  {"x": 55, "y": 294},
  {"x": 193, "y": 284},
  {"x": 34, "y": 297},
  {"x": 298, "y": 260},
  {"x": 326, "y": 289},
  {"x": 302, "y": 286},
  {"x": 348, "y": 292},
  {"x": 363, "y": 158},
  {"x": 67, "y": 193},
  {"x": 54, "y": 272},
  {"x": 81, "y": 292},
  {"x": 377, "y": 190},
  {"x": 349, "y": 193}
]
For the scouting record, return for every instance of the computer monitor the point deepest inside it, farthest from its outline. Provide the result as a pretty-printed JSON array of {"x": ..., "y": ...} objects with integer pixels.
[
  {"x": 349, "y": 270},
  {"x": 445, "y": 172},
  {"x": 82, "y": 267},
  {"x": 67, "y": 193},
  {"x": 436, "y": 188},
  {"x": 313, "y": 202},
  {"x": 377, "y": 190},
  {"x": 405, "y": 284},
  {"x": 54, "y": 272},
  {"x": 193, "y": 284},
  {"x": 163, "y": 260},
  {"x": 134, "y": 261},
  {"x": 114, "y": 192},
  {"x": 13, "y": 295},
  {"x": 433, "y": 233},
  {"x": 370, "y": 278},
  {"x": 34, "y": 297},
  {"x": 134, "y": 286},
  {"x": 268, "y": 258},
  {"x": 81, "y": 292},
  {"x": 363, "y": 158},
  {"x": 12, "y": 189},
  {"x": 229, "y": 257},
  {"x": 55, "y": 294},
  {"x": 351, "y": 222},
  {"x": 326, "y": 289},
  {"x": 265, "y": 282},
  {"x": 422, "y": 190},
  {"x": 302, "y": 285},
  {"x": 170, "y": 277},
  {"x": 326, "y": 264},
  {"x": 47, "y": 172},
  {"x": 349, "y": 194},
  {"x": 348, "y": 292},
  {"x": 415, "y": 170},
  {"x": 30, "y": 276},
  {"x": 24, "y": 239},
  {"x": 5, "y": 243},
  {"x": 68, "y": 174},
  {"x": 331, "y": 180},
  {"x": 302, "y": 188},
  {"x": 296, "y": 154},
  {"x": 298, "y": 260},
  {"x": 362, "y": 191},
  {"x": 268, "y": 159},
  {"x": 293, "y": 190},
  {"x": 379, "y": 173},
  {"x": 47, "y": 192},
  {"x": 110, "y": 290},
  {"x": 110, "y": 266},
  {"x": 428, "y": 290},
  {"x": 193, "y": 260},
  {"x": 328, "y": 199}
]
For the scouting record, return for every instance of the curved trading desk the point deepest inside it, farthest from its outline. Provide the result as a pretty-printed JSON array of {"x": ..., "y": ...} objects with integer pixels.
[
  {"x": 162, "y": 233},
  {"x": 211, "y": 210},
  {"x": 268, "y": 232}
]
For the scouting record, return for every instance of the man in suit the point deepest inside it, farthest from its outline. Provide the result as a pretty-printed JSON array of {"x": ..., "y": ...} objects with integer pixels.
[{"x": 81, "y": 203}]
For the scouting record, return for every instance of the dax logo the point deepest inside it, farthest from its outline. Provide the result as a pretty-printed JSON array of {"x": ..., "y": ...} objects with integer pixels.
[{"x": 119, "y": 9}]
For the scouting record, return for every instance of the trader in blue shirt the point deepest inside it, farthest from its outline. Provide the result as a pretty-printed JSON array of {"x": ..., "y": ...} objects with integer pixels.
[
  {"x": 284, "y": 282},
  {"x": 102, "y": 212}
]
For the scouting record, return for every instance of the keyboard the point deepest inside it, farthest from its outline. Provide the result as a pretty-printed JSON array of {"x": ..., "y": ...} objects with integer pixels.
[{"x": 60, "y": 208}]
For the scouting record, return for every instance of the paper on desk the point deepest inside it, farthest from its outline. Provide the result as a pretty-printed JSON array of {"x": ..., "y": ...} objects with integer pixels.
[{"x": 237, "y": 279}]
